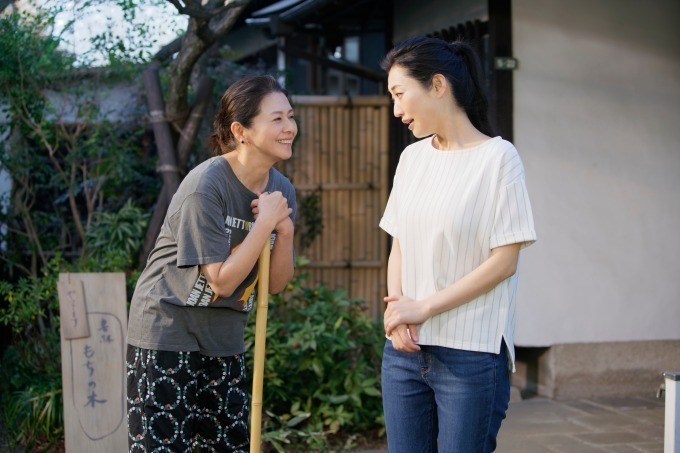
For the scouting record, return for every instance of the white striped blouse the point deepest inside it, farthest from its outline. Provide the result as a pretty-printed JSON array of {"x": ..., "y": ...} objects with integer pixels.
[{"x": 449, "y": 209}]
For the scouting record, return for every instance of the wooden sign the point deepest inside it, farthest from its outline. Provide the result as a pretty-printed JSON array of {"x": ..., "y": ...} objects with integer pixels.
[
  {"x": 72, "y": 309},
  {"x": 93, "y": 366}
]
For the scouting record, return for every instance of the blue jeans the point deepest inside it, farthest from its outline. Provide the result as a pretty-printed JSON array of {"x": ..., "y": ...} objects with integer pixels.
[{"x": 444, "y": 399}]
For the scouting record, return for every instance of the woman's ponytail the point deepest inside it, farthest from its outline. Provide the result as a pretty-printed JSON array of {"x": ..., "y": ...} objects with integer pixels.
[{"x": 477, "y": 104}]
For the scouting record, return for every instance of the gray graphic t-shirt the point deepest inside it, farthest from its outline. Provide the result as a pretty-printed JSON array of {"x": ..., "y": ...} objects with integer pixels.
[{"x": 173, "y": 307}]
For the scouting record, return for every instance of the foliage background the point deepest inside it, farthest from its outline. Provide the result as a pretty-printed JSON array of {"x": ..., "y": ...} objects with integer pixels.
[
  {"x": 84, "y": 186},
  {"x": 322, "y": 370}
]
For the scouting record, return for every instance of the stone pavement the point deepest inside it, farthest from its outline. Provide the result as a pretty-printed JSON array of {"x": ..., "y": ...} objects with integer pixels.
[{"x": 538, "y": 425}]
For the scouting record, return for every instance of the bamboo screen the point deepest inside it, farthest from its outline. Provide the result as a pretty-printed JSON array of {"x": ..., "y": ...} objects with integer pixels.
[{"x": 342, "y": 152}]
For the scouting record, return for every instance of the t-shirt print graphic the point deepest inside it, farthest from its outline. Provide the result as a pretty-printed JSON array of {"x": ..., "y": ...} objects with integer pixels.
[
  {"x": 243, "y": 299},
  {"x": 202, "y": 295}
]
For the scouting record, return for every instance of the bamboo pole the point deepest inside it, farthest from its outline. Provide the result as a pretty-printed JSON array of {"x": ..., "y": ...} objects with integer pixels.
[{"x": 260, "y": 343}]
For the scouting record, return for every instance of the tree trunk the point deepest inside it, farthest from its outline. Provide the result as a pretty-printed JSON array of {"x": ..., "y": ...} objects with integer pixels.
[
  {"x": 193, "y": 124},
  {"x": 167, "y": 167}
]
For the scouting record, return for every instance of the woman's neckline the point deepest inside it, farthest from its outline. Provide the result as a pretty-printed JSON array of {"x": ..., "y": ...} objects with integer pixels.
[
  {"x": 240, "y": 184},
  {"x": 458, "y": 150}
]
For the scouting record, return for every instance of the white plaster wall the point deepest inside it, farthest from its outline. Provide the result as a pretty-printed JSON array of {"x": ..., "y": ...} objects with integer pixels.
[
  {"x": 120, "y": 102},
  {"x": 597, "y": 122}
]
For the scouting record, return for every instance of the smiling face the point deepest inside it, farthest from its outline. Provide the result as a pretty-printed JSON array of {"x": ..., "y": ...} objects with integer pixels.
[
  {"x": 413, "y": 103},
  {"x": 273, "y": 129}
]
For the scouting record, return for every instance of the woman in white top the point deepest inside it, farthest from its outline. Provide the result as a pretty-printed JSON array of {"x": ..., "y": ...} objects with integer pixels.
[{"x": 459, "y": 213}]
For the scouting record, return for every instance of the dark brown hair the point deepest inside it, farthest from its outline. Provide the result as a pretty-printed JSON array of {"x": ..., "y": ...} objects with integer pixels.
[
  {"x": 240, "y": 103},
  {"x": 422, "y": 58}
]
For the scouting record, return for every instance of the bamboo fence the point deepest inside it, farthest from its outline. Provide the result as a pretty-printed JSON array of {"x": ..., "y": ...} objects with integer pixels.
[{"x": 342, "y": 152}]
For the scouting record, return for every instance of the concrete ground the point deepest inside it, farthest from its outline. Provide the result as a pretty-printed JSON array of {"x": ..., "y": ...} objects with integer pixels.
[{"x": 537, "y": 425}]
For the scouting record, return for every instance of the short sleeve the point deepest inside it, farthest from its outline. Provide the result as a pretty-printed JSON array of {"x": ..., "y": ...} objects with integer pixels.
[
  {"x": 513, "y": 217},
  {"x": 199, "y": 231},
  {"x": 388, "y": 222}
]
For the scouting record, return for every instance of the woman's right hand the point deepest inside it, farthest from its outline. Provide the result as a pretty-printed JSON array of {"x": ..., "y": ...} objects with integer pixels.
[
  {"x": 271, "y": 207},
  {"x": 404, "y": 338}
]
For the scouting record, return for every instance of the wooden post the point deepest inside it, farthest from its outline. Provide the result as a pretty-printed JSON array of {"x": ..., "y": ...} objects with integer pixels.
[{"x": 260, "y": 343}]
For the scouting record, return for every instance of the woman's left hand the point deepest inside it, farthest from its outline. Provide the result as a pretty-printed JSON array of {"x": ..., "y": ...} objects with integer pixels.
[
  {"x": 403, "y": 310},
  {"x": 284, "y": 226}
]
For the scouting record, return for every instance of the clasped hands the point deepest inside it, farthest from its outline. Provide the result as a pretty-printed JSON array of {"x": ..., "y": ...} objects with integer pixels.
[
  {"x": 401, "y": 317},
  {"x": 274, "y": 207}
]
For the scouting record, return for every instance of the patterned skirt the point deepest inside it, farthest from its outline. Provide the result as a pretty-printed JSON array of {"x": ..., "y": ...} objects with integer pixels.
[{"x": 186, "y": 402}]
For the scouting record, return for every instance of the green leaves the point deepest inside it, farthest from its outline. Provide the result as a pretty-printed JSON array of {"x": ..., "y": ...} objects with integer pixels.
[
  {"x": 322, "y": 369},
  {"x": 31, "y": 299},
  {"x": 30, "y": 393},
  {"x": 117, "y": 232}
]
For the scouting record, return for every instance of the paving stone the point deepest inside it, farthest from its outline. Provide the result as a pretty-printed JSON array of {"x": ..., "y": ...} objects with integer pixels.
[
  {"x": 542, "y": 410},
  {"x": 622, "y": 449},
  {"x": 530, "y": 427},
  {"x": 588, "y": 407},
  {"x": 611, "y": 438},
  {"x": 564, "y": 443},
  {"x": 606, "y": 421},
  {"x": 624, "y": 403},
  {"x": 655, "y": 447},
  {"x": 650, "y": 432},
  {"x": 652, "y": 416},
  {"x": 519, "y": 444}
]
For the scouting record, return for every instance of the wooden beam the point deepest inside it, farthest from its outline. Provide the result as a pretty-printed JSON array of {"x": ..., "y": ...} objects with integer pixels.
[{"x": 335, "y": 63}]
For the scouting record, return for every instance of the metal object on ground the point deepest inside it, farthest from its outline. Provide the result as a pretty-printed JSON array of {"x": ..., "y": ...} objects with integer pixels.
[{"x": 672, "y": 428}]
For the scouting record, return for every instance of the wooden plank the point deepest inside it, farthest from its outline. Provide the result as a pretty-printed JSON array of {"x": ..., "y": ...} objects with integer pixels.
[
  {"x": 360, "y": 206},
  {"x": 334, "y": 131},
  {"x": 93, "y": 368},
  {"x": 339, "y": 196},
  {"x": 374, "y": 206},
  {"x": 347, "y": 178},
  {"x": 384, "y": 165},
  {"x": 327, "y": 202},
  {"x": 315, "y": 155},
  {"x": 72, "y": 309}
]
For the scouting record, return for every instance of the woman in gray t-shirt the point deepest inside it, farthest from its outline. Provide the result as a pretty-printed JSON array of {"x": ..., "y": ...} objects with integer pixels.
[{"x": 185, "y": 358}]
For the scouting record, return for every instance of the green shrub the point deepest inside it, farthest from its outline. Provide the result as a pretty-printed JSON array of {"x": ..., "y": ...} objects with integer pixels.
[
  {"x": 322, "y": 370},
  {"x": 32, "y": 405}
]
